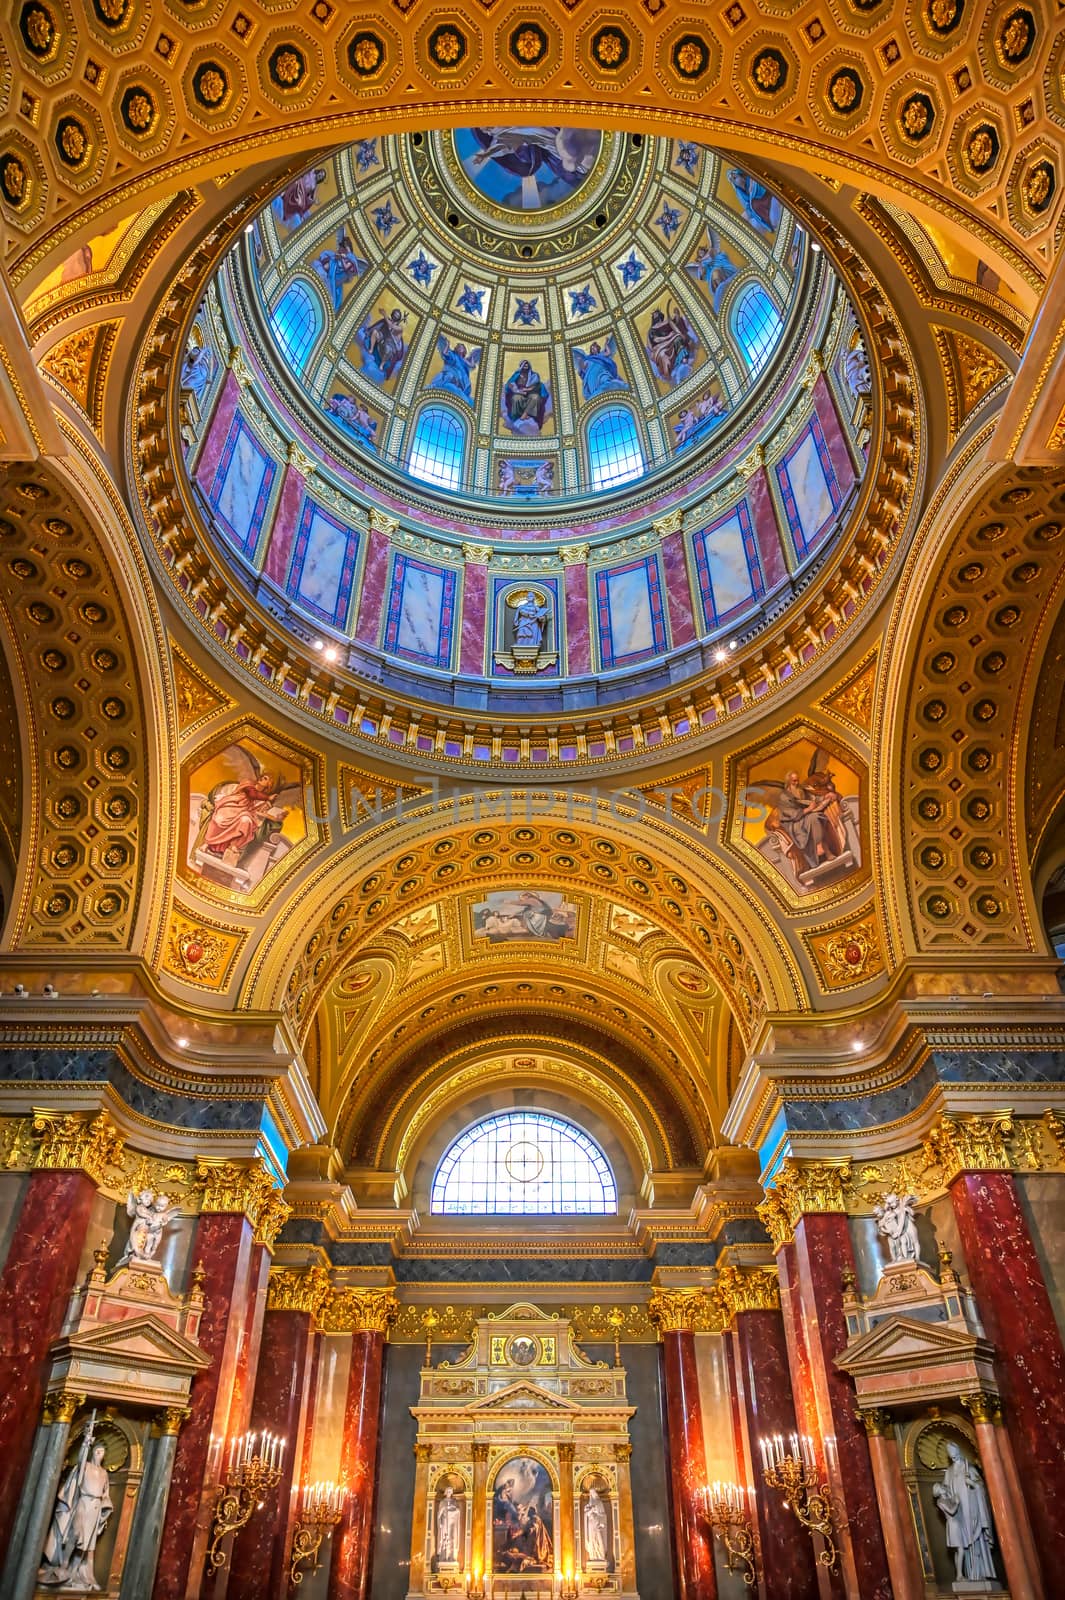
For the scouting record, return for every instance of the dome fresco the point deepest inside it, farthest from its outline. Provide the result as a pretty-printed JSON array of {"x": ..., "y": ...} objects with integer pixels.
[
  {"x": 530, "y": 314},
  {"x": 524, "y": 418}
]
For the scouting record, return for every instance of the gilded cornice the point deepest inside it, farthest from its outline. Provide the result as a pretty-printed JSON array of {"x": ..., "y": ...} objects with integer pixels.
[{"x": 359, "y": 1311}]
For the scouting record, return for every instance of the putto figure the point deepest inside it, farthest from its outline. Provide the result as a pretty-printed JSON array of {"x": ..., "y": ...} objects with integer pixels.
[
  {"x": 896, "y": 1223},
  {"x": 150, "y": 1212}
]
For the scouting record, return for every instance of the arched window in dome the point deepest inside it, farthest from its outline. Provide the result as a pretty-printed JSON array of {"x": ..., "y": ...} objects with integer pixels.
[
  {"x": 524, "y": 1162},
  {"x": 296, "y": 321},
  {"x": 614, "y": 453},
  {"x": 438, "y": 448},
  {"x": 757, "y": 324}
]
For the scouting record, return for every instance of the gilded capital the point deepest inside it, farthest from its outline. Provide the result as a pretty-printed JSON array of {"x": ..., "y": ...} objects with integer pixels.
[
  {"x": 876, "y": 1421},
  {"x": 477, "y": 555},
  {"x": 983, "y": 1407},
  {"x": 359, "y": 1311},
  {"x": 566, "y": 1452},
  {"x": 381, "y": 523},
  {"x": 62, "y": 1407},
  {"x": 573, "y": 555},
  {"x": 747, "y": 1289},
  {"x": 83, "y": 1141},
  {"x": 623, "y": 1452},
  {"x": 298, "y": 1291},
  {"x": 232, "y": 1186},
  {"x": 775, "y": 1219},
  {"x": 672, "y": 522},
  {"x": 480, "y": 1451},
  {"x": 970, "y": 1144},
  {"x": 682, "y": 1311},
  {"x": 810, "y": 1188},
  {"x": 423, "y": 1452},
  {"x": 167, "y": 1424}
]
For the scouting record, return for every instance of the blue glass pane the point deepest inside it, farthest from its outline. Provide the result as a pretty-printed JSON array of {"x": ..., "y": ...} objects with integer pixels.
[
  {"x": 614, "y": 453},
  {"x": 757, "y": 324},
  {"x": 296, "y": 321},
  {"x": 437, "y": 448},
  {"x": 524, "y": 1162}
]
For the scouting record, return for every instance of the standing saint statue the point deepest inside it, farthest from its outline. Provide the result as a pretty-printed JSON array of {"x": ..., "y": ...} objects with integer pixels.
[
  {"x": 962, "y": 1499},
  {"x": 448, "y": 1527},
  {"x": 530, "y": 620},
  {"x": 150, "y": 1212},
  {"x": 895, "y": 1222},
  {"x": 594, "y": 1528},
  {"x": 82, "y": 1511}
]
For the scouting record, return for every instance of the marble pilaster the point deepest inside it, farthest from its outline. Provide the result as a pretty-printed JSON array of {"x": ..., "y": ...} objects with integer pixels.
[
  {"x": 146, "y": 1535},
  {"x": 1012, "y": 1527},
  {"x": 19, "y": 1578},
  {"x": 368, "y": 1313},
  {"x": 896, "y": 1518},
  {"x": 693, "y": 1538}
]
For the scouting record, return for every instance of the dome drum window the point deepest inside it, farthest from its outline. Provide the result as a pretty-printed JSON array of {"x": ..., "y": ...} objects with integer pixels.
[{"x": 524, "y": 1162}]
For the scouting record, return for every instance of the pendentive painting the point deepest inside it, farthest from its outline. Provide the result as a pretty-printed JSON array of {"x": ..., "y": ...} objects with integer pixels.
[
  {"x": 801, "y": 811},
  {"x": 246, "y": 810},
  {"x": 508, "y": 914},
  {"x": 523, "y": 1518}
]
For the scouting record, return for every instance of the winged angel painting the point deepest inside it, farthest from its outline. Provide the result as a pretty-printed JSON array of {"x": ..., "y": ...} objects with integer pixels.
[
  {"x": 803, "y": 814},
  {"x": 246, "y": 812}
]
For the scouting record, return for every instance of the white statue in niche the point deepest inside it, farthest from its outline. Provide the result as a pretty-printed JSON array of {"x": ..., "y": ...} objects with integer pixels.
[
  {"x": 448, "y": 1527},
  {"x": 82, "y": 1511},
  {"x": 530, "y": 620},
  {"x": 962, "y": 1499},
  {"x": 150, "y": 1212},
  {"x": 594, "y": 1527},
  {"x": 856, "y": 369},
  {"x": 896, "y": 1223}
]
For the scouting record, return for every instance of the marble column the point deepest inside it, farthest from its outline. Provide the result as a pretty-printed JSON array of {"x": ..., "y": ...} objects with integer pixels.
[
  {"x": 19, "y": 1578},
  {"x": 146, "y": 1535},
  {"x": 1015, "y": 1308},
  {"x": 259, "y": 1564},
  {"x": 626, "y": 1524},
  {"x": 1012, "y": 1527},
  {"x": 675, "y": 1312},
  {"x": 241, "y": 1210},
  {"x": 896, "y": 1517},
  {"x": 763, "y": 1390},
  {"x": 423, "y": 1455},
  {"x": 809, "y": 1203},
  {"x": 566, "y": 1542},
  {"x": 37, "y": 1282},
  {"x": 370, "y": 1311},
  {"x": 480, "y": 1554}
]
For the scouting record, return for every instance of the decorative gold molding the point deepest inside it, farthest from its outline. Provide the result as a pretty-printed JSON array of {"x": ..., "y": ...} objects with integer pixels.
[
  {"x": 877, "y": 1422},
  {"x": 229, "y": 1186},
  {"x": 168, "y": 1423},
  {"x": 61, "y": 1407},
  {"x": 85, "y": 1141},
  {"x": 970, "y": 1144},
  {"x": 298, "y": 1291},
  {"x": 809, "y": 1188},
  {"x": 684, "y": 1311},
  {"x": 775, "y": 1219},
  {"x": 983, "y": 1407},
  {"x": 746, "y": 1289},
  {"x": 359, "y": 1311}
]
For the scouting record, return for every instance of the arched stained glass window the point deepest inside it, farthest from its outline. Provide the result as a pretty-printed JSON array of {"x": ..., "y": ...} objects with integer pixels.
[
  {"x": 437, "y": 448},
  {"x": 614, "y": 453},
  {"x": 524, "y": 1161},
  {"x": 757, "y": 325},
  {"x": 296, "y": 322}
]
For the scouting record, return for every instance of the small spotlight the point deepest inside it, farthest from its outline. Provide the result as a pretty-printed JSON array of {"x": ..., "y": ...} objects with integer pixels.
[
  {"x": 331, "y": 652},
  {"x": 318, "y": 645},
  {"x": 720, "y": 655},
  {"x": 21, "y": 991},
  {"x": 50, "y": 992},
  {"x": 733, "y": 643},
  {"x": 815, "y": 246},
  {"x": 857, "y": 1046},
  {"x": 182, "y": 1043}
]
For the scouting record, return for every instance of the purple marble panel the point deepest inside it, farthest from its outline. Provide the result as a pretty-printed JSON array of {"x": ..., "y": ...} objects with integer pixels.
[
  {"x": 279, "y": 549},
  {"x": 578, "y": 623},
  {"x": 678, "y": 589},
  {"x": 766, "y": 530},
  {"x": 474, "y": 619},
  {"x": 218, "y": 431},
  {"x": 832, "y": 429},
  {"x": 374, "y": 584}
]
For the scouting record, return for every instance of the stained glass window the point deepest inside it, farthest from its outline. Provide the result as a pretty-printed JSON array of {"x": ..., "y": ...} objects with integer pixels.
[
  {"x": 524, "y": 1161},
  {"x": 757, "y": 325},
  {"x": 614, "y": 453},
  {"x": 296, "y": 321},
  {"x": 437, "y": 448}
]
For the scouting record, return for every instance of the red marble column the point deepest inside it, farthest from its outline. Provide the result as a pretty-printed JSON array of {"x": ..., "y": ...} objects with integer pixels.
[
  {"x": 1012, "y": 1299},
  {"x": 693, "y": 1541},
  {"x": 259, "y": 1563},
  {"x": 822, "y": 1252},
  {"x": 226, "y": 1250},
  {"x": 35, "y": 1288},
  {"x": 764, "y": 1383},
  {"x": 349, "y": 1574}
]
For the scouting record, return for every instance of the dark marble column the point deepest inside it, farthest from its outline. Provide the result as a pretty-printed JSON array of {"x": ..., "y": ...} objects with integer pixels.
[
  {"x": 138, "y": 1573},
  {"x": 38, "y": 1280},
  {"x": 1011, "y": 1296},
  {"x": 809, "y": 1200},
  {"x": 368, "y": 1313},
  {"x": 763, "y": 1390},
  {"x": 19, "y": 1578},
  {"x": 259, "y": 1566},
  {"x": 241, "y": 1211},
  {"x": 675, "y": 1312}
]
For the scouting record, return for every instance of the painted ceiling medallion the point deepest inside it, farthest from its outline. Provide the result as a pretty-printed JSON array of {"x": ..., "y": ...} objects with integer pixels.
[{"x": 528, "y": 45}]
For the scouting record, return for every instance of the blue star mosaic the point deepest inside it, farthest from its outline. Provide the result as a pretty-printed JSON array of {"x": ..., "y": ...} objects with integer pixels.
[
  {"x": 582, "y": 301},
  {"x": 687, "y": 156},
  {"x": 527, "y": 311},
  {"x": 385, "y": 219},
  {"x": 366, "y": 154},
  {"x": 631, "y": 270},
  {"x": 421, "y": 269},
  {"x": 471, "y": 300},
  {"x": 669, "y": 221}
]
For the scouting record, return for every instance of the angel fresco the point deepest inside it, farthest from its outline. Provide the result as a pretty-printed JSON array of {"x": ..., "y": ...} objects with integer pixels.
[
  {"x": 760, "y": 208},
  {"x": 457, "y": 374},
  {"x": 696, "y": 421},
  {"x": 352, "y": 414},
  {"x": 528, "y": 168},
  {"x": 597, "y": 369},
  {"x": 672, "y": 344},
  {"x": 245, "y": 818},
  {"x": 383, "y": 344},
  {"x": 811, "y": 828},
  {"x": 298, "y": 199},
  {"x": 337, "y": 268},
  {"x": 526, "y": 400},
  {"x": 713, "y": 267}
]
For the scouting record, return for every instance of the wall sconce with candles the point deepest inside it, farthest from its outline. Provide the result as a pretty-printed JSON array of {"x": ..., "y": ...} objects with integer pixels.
[
  {"x": 252, "y": 1472},
  {"x": 727, "y": 1512},
  {"x": 795, "y": 1473},
  {"x": 321, "y": 1508}
]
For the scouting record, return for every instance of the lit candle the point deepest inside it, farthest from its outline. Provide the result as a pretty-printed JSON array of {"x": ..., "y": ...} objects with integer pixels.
[{"x": 794, "y": 1441}]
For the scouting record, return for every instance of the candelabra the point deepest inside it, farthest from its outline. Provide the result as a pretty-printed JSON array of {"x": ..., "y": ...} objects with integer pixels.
[
  {"x": 321, "y": 1508},
  {"x": 252, "y": 1472},
  {"x": 727, "y": 1513},
  {"x": 795, "y": 1473}
]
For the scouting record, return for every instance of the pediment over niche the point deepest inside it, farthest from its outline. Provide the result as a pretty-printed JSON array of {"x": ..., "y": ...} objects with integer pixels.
[
  {"x": 906, "y": 1344},
  {"x": 141, "y": 1342},
  {"x": 524, "y": 1397}
]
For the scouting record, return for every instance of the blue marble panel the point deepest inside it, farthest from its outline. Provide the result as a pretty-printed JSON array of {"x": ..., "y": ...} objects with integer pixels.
[
  {"x": 421, "y": 611},
  {"x": 241, "y": 487},
  {"x": 104, "y": 1066},
  {"x": 323, "y": 564},
  {"x": 726, "y": 561},
  {"x": 809, "y": 487},
  {"x": 630, "y": 612}
]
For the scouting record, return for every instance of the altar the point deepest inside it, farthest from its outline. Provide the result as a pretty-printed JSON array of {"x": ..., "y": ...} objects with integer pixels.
[{"x": 522, "y": 1479}]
